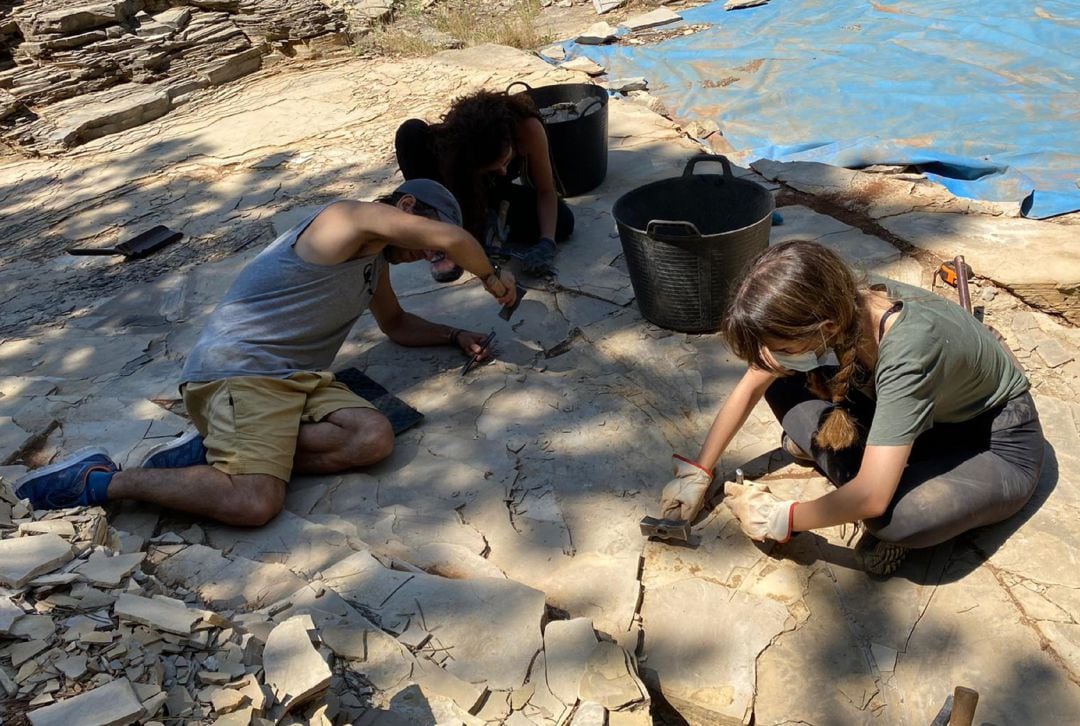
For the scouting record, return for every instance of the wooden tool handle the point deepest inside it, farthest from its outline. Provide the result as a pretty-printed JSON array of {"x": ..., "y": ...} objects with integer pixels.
[
  {"x": 962, "y": 285},
  {"x": 964, "y": 702}
]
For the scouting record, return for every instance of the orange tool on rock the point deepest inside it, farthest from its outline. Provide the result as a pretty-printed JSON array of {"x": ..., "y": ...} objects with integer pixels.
[{"x": 956, "y": 273}]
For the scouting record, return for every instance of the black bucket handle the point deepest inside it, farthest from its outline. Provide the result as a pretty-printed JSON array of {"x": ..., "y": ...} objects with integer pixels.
[
  {"x": 517, "y": 83},
  {"x": 694, "y": 160},
  {"x": 595, "y": 102},
  {"x": 689, "y": 231}
]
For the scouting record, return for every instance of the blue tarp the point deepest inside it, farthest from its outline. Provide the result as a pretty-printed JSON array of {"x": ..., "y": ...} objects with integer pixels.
[{"x": 985, "y": 97}]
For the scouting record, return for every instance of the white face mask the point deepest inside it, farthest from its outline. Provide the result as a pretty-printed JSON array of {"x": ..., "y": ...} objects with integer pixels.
[{"x": 806, "y": 361}]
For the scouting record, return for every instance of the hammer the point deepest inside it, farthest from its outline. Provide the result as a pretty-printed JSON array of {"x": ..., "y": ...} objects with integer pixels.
[
  {"x": 956, "y": 273},
  {"x": 959, "y": 708},
  {"x": 673, "y": 529}
]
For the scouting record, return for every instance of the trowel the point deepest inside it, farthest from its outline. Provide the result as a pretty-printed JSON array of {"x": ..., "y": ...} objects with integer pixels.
[{"x": 138, "y": 246}]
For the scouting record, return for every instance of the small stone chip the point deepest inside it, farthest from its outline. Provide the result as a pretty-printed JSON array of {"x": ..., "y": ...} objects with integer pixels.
[
  {"x": 242, "y": 717},
  {"x": 597, "y": 34},
  {"x": 168, "y": 615},
  {"x": 73, "y": 667},
  {"x": 22, "y": 652},
  {"x": 660, "y": 16},
  {"x": 583, "y": 64},
  {"x": 60, "y": 527},
  {"x": 106, "y": 571},
  {"x": 225, "y": 700},
  {"x": 214, "y": 678},
  {"x": 9, "y": 613}
]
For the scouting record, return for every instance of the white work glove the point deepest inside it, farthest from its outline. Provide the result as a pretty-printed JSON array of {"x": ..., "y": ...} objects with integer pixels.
[
  {"x": 761, "y": 514},
  {"x": 684, "y": 496}
]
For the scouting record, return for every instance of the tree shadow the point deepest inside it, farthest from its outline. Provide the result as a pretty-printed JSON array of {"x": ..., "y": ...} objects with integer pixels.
[{"x": 611, "y": 381}]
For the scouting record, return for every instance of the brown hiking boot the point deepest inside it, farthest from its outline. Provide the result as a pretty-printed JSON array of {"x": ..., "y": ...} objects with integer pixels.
[{"x": 878, "y": 558}]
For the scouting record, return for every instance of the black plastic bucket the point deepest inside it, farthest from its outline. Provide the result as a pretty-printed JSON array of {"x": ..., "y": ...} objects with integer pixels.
[
  {"x": 688, "y": 239},
  {"x": 579, "y": 146}
]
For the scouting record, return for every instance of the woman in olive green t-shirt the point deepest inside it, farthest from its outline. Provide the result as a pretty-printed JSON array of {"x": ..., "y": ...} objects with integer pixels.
[{"x": 897, "y": 394}]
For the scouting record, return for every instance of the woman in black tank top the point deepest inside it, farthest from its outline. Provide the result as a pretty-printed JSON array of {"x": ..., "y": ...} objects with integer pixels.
[{"x": 485, "y": 142}]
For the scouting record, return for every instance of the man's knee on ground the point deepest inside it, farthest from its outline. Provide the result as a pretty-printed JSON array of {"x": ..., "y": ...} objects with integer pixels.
[
  {"x": 371, "y": 437},
  {"x": 254, "y": 499}
]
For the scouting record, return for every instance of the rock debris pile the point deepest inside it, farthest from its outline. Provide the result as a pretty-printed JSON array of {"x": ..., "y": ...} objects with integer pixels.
[
  {"x": 73, "y": 73},
  {"x": 102, "y": 625}
]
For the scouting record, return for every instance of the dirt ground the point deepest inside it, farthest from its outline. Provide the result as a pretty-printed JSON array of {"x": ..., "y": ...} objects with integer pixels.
[
  {"x": 421, "y": 27},
  {"x": 534, "y": 472}
]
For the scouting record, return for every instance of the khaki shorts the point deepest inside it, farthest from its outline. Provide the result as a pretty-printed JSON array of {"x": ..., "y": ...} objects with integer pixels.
[{"x": 250, "y": 424}]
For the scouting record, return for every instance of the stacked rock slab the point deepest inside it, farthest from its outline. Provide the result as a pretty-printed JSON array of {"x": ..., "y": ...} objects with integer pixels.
[{"x": 79, "y": 72}]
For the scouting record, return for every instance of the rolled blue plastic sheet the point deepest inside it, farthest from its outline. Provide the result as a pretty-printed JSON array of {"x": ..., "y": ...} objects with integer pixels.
[{"x": 985, "y": 98}]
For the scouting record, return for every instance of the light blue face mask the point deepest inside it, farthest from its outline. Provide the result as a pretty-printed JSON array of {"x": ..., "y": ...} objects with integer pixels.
[{"x": 806, "y": 361}]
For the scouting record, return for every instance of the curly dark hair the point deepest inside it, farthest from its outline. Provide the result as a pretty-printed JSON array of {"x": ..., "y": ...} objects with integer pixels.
[{"x": 474, "y": 133}]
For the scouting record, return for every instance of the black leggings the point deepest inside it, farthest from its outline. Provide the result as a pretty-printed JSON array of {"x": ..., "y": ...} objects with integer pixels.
[
  {"x": 521, "y": 219},
  {"x": 416, "y": 159},
  {"x": 959, "y": 476}
]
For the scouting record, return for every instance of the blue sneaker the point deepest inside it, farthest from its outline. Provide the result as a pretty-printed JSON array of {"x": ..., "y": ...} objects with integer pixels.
[
  {"x": 65, "y": 483},
  {"x": 188, "y": 450}
]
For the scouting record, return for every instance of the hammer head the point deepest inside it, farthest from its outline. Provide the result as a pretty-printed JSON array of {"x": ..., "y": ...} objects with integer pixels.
[{"x": 674, "y": 529}]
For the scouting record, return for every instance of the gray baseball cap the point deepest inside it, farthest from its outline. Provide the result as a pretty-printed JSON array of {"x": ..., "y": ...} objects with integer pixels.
[{"x": 436, "y": 196}]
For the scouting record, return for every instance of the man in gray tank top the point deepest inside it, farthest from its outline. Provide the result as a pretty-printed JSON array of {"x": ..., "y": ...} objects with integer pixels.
[{"x": 257, "y": 385}]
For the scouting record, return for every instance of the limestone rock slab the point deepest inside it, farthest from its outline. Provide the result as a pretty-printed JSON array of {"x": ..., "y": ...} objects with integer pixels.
[
  {"x": 822, "y": 645},
  {"x": 609, "y": 678},
  {"x": 228, "y": 583},
  {"x": 290, "y": 540},
  {"x": 249, "y": 585},
  {"x": 97, "y": 115},
  {"x": 80, "y": 18},
  {"x": 385, "y": 662},
  {"x": 721, "y": 552},
  {"x": 857, "y": 247},
  {"x": 295, "y": 672},
  {"x": 877, "y": 195},
  {"x": 701, "y": 647},
  {"x": 606, "y": 6},
  {"x": 1003, "y": 249},
  {"x": 589, "y": 713},
  {"x": 492, "y": 626},
  {"x": 23, "y": 558},
  {"x": 961, "y": 613},
  {"x": 114, "y": 704},
  {"x": 568, "y": 644}
]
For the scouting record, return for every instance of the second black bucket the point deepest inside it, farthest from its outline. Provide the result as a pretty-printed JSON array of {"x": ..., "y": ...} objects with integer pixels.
[
  {"x": 688, "y": 239},
  {"x": 579, "y": 146}
]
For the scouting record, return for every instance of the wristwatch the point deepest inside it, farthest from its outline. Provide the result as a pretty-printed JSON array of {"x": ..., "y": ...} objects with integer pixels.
[{"x": 496, "y": 272}]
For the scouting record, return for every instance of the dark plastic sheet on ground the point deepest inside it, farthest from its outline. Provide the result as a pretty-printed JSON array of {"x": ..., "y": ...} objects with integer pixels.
[
  {"x": 401, "y": 415},
  {"x": 985, "y": 97}
]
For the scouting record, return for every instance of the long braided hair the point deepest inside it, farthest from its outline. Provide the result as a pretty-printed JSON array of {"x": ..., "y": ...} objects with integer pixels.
[{"x": 790, "y": 291}]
